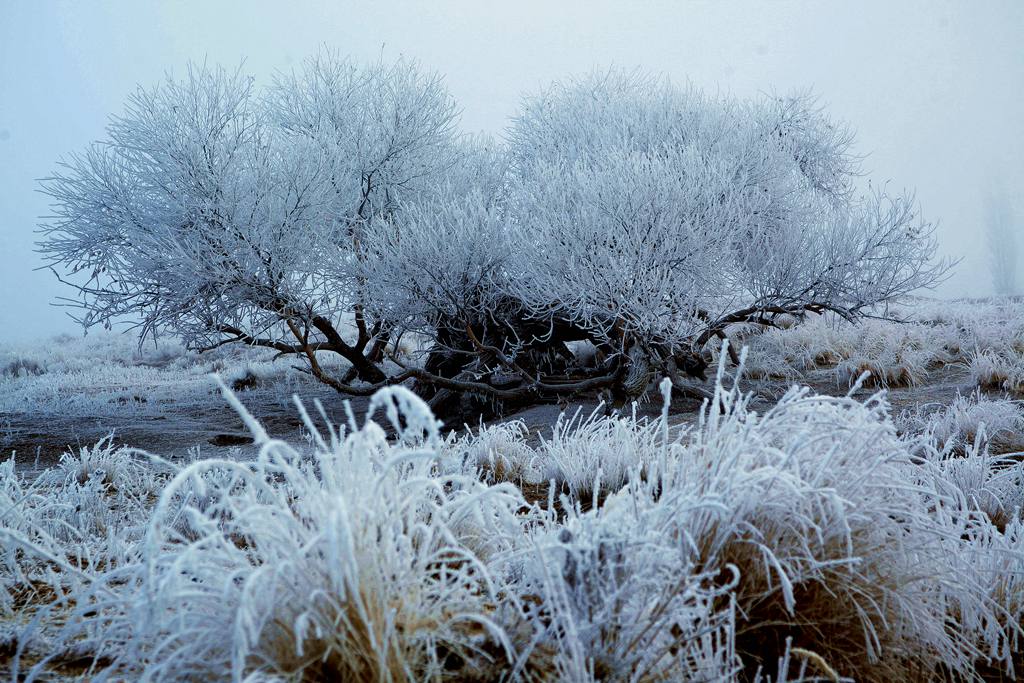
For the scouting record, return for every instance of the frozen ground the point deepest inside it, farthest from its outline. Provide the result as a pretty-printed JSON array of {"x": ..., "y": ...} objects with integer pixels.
[
  {"x": 69, "y": 392},
  {"x": 189, "y": 415},
  {"x": 537, "y": 548}
]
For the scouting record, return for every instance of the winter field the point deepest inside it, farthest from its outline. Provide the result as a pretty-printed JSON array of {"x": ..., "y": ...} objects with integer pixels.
[
  {"x": 642, "y": 389},
  {"x": 846, "y": 507}
]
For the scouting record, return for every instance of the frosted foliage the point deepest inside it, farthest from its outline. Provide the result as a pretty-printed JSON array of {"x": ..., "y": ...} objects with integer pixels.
[
  {"x": 449, "y": 255},
  {"x": 88, "y": 512},
  {"x": 806, "y": 516},
  {"x": 643, "y": 205},
  {"x": 385, "y": 130},
  {"x": 592, "y": 455},
  {"x": 808, "y": 540},
  {"x": 970, "y": 421},
  {"x": 804, "y": 489},
  {"x": 923, "y": 336},
  {"x": 628, "y": 601},
  {"x": 354, "y": 564},
  {"x": 1001, "y": 369},
  {"x": 496, "y": 452},
  {"x": 214, "y": 210},
  {"x": 619, "y": 210}
]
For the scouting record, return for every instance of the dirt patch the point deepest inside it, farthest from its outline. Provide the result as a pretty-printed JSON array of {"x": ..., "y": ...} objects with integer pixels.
[
  {"x": 207, "y": 423},
  {"x": 171, "y": 429}
]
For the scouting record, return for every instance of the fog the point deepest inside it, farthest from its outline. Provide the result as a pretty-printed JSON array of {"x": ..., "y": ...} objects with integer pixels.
[{"x": 935, "y": 90}]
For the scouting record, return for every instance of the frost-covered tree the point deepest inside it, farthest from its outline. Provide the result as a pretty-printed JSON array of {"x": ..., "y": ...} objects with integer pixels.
[
  {"x": 644, "y": 219},
  {"x": 1001, "y": 240},
  {"x": 654, "y": 216},
  {"x": 226, "y": 215},
  {"x": 622, "y": 215}
]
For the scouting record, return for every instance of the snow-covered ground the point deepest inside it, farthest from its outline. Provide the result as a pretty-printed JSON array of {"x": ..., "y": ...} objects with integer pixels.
[
  {"x": 68, "y": 392},
  {"x": 863, "y": 528}
]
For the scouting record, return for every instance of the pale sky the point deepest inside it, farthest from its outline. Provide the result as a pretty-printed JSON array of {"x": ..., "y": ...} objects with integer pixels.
[{"x": 935, "y": 90}]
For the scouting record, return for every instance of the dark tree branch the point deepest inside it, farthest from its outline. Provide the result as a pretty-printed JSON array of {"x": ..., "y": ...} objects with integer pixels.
[{"x": 238, "y": 336}]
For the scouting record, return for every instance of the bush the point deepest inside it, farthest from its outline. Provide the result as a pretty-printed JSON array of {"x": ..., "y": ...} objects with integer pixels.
[
  {"x": 22, "y": 367},
  {"x": 622, "y": 211},
  {"x": 974, "y": 420},
  {"x": 998, "y": 370},
  {"x": 359, "y": 564}
]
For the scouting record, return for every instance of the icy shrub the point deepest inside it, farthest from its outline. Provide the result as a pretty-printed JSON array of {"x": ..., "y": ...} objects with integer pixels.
[
  {"x": 1001, "y": 370},
  {"x": 16, "y": 532},
  {"x": 998, "y": 423},
  {"x": 770, "y": 367},
  {"x": 992, "y": 558},
  {"x": 829, "y": 542},
  {"x": 899, "y": 371},
  {"x": 495, "y": 453},
  {"x": 816, "y": 341},
  {"x": 86, "y": 514},
  {"x": 244, "y": 379},
  {"x": 352, "y": 564},
  {"x": 616, "y": 594},
  {"x": 810, "y": 540},
  {"x": 727, "y": 545},
  {"x": 977, "y": 480},
  {"x": 990, "y": 484},
  {"x": 22, "y": 367},
  {"x": 588, "y": 458},
  {"x": 895, "y": 355}
]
